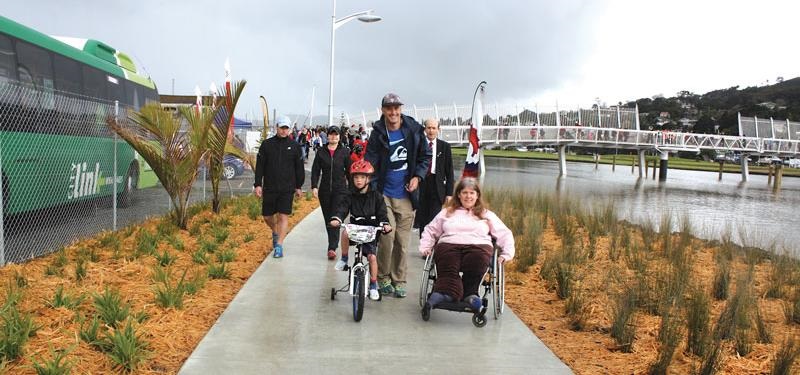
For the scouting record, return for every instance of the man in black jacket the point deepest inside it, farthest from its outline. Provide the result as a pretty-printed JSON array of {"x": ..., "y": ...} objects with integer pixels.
[
  {"x": 398, "y": 151},
  {"x": 332, "y": 162},
  {"x": 279, "y": 169},
  {"x": 437, "y": 188}
]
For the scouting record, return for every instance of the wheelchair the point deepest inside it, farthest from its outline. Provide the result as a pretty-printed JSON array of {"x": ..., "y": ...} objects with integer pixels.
[
  {"x": 491, "y": 287},
  {"x": 358, "y": 276}
]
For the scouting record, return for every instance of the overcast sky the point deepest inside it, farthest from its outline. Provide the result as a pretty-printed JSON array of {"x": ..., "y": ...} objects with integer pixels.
[{"x": 437, "y": 50}]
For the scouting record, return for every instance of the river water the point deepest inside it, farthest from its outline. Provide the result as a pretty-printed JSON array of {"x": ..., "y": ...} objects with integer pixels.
[{"x": 748, "y": 209}]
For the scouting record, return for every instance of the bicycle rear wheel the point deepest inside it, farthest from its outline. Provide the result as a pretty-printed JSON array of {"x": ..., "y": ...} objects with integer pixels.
[{"x": 358, "y": 294}]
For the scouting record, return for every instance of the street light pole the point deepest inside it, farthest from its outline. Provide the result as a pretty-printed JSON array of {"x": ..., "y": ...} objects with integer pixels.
[{"x": 365, "y": 16}]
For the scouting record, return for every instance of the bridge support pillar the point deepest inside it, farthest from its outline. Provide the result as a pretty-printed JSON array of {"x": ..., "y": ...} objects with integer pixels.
[
  {"x": 662, "y": 168},
  {"x": 562, "y": 160},
  {"x": 745, "y": 167},
  {"x": 642, "y": 165}
]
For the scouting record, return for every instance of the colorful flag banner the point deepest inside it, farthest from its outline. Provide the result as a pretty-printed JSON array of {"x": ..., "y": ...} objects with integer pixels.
[{"x": 473, "y": 166}]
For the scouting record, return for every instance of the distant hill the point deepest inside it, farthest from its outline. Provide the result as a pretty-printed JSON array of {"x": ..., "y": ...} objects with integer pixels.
[{"x": 701, "y": 113}]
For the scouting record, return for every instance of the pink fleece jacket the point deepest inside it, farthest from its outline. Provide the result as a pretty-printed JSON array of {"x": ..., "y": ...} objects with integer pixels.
[{"x": 464, "y": 228}]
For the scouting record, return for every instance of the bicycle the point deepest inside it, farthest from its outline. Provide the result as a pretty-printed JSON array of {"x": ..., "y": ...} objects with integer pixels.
[{"x": 358, "y": 277}]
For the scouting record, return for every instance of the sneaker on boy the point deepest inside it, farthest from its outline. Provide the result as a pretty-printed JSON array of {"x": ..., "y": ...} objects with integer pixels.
[
  {"x": 374, "y": 295},
  {"x": 339, "y": 266},
  {"x": 278, "y": 252}
]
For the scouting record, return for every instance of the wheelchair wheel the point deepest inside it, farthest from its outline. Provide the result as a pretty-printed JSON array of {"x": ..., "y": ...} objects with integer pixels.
[
  {"x": 501, "y": 288},
  {"x": 428, "y": 277},
  {"x": 479, "y": 320},
  {"x": 358, "y": 296}
]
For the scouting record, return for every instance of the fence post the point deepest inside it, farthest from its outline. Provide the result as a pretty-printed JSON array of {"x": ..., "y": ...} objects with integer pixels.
[
  {"x": 436, "y": 112},
  {"x": 619, "y": 119},
  {"x": 580, "y": 120},
  {"x": 637, "y": 118},
  {"x": 538, "y": 119},
  {"x": 364, "y": 118},
  {"x": 114, "y": 196},
  {"x": 2, "y": 214},
  {"x": 416, "y": 116},
  {"x": 789, "y": 129}
]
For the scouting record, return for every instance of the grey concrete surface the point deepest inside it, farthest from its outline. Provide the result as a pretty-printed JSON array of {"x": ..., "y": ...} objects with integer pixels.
[{"x": 284, "y": 321}]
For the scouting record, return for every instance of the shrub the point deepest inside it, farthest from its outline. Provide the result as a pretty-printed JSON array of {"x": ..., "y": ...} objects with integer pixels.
[
  {"x": 168, "y": 295},
  {"x": 197, "y": 282},
  {"x": 165, "y": 258},
  {"x": 126, "y": 347},
  {"x": 697, "y": 319},
  {"x": 110, "y": 307},
  {"x": 220, "y": 233},
  {"x": 80, "y": 269},
  {"x": 200, "y": 256},
  {"x": 669, "y": 337},
  {"x": 56, "y": 365},
  {"x": 15, "y": 330},
  {"x": 565, "y": 277},
  {"x": 219, "y": 271},
  {"x": 176, "y": 242},
  {"x": 785, "y": 357},
  {"x": 90, "y": 333},
  {"x": 712, "y": 361},
  {"x": 575, "y": 308},
  {"x": 248, "y": 237},
  {"x": 623, "y": 327},
  {"x": 146, "y": 243},
  {"x": 65, "y": 300},
  {"x": 226, "y": 256},
  {"x": 722, "y": 279}
]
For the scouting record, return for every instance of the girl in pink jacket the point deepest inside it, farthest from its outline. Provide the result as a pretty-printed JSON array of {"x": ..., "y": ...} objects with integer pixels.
[{"x": 462, "y": 235}]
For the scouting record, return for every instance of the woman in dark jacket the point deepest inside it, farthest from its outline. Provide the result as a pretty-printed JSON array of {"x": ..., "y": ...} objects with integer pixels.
[{"x": 332, "y": 163}]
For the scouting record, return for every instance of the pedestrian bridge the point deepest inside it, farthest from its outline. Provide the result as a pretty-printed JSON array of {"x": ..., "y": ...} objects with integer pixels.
[{"x": 511, "y": 126}]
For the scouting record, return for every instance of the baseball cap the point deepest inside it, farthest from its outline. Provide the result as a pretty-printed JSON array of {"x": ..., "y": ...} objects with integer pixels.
[
  {"x": 284, "y": 122},
  {"x": 390, "y": 99},
  {"x": 333, "y": 129}
]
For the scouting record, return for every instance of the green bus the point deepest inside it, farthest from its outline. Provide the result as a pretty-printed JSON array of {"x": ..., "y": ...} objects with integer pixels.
[{"x": 55, "y": 96}]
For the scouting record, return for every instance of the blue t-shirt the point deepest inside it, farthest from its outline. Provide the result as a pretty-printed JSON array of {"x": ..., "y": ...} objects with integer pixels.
[{"x": 398, "y": 166}]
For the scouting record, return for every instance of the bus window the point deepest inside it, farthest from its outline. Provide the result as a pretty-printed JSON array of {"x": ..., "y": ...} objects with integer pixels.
[
  {"x": 133, "y": 95},
  {"x": 7, "y": 59},
  {"x": 39, "y": 67},
  {"x": 68, "y": 74},
  {"x": 94, "y": 83}
]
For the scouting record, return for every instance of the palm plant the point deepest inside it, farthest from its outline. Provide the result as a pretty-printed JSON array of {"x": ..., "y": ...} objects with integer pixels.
[
  {"x": 173, "y": 155},
  {"x": 219, "y": 143}
]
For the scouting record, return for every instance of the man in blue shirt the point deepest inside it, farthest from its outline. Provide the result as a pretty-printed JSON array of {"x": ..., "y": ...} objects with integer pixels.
[{"x": 398, "y": 151}]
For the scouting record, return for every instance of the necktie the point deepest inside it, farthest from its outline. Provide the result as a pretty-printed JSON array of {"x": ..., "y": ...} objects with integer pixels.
[{"x": 430, "y": 147}]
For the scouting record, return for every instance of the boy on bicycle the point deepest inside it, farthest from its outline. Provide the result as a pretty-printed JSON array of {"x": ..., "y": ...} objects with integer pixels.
[{"x": 366, "y": 207}]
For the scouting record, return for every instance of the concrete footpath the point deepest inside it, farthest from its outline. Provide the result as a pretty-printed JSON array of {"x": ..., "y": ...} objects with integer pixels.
[{"x": 284, "y": 321}]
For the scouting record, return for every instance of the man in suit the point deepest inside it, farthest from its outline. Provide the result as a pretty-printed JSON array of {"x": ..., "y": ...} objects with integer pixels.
[{"x": 437, "y": 188}]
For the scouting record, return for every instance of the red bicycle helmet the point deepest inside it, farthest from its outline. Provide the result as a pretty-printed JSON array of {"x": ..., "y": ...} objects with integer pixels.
[{"x": 362, "y": 167}]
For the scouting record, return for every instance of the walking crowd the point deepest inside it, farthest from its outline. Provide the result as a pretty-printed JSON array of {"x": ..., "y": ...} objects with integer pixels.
[{"x": 400, "y": 178}]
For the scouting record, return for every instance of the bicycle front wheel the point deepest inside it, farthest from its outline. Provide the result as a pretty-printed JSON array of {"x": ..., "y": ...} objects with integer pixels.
[{"x": 358, "y": 294}]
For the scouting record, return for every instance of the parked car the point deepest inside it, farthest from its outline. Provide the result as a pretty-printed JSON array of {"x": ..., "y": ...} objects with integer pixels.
[
  {"x": 548, "y": 150},
  {"x": 793, "y": 163},
  {"x": 231, "y": 167},
  {"x": 766, "y": 160}
]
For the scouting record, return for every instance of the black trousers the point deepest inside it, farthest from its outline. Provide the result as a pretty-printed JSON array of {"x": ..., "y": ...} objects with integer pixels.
[
  {"x": 429, "y": 203},
  {"x": 329, "y": 200}
]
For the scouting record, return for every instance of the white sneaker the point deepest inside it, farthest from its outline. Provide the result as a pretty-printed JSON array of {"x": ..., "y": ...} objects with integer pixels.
[
  {"x": 374, "y": 295},
  {"x": 339, "y": 265}
]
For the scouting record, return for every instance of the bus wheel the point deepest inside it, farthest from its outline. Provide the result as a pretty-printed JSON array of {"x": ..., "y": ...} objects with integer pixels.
[{"x": 130, "y": 186}]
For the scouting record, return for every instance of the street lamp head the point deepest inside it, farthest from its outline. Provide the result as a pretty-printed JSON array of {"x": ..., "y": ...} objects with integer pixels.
[{"x": 369, "y": 18}]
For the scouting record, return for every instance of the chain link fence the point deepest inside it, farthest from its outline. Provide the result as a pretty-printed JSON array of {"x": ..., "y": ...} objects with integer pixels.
[{"x": 66, "y": 176}]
